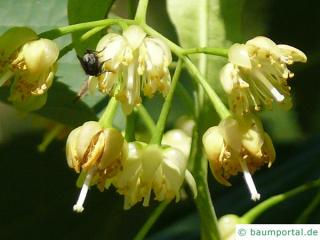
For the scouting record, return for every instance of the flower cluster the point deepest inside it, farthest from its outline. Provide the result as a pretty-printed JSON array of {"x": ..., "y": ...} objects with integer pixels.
[
  {"x": 30, "y": 63},
  {"x": 257, "y": 74},
  {"x": 255, "y": 77},
  {"x": 135, "y": 169},
  {"x": 132, "y": 62},
  {"x": 152, "y": 168}
]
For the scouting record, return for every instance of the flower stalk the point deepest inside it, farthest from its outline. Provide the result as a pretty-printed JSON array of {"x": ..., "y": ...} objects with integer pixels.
[
  {"x": 107, "y": 117},
  {"x": 141, "y": 11},
  {"x": 255, "y": 212},
  {"x": 156, "y": 138}
]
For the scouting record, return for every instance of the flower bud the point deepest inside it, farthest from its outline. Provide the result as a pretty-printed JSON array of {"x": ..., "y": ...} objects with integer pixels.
[{"x": 227, "y": 226}]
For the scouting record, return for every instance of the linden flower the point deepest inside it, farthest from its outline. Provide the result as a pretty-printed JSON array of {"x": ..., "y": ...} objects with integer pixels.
[
  {"x": 98, "y": 152},
  {"x": 178, "y": 139},
  {"x": 152, "y": 168},
  {"x": 132, "y": 62},
  {"x": 238, "y": 145},
  {"x": 257, "y": 74},
  {"x": 36, "y": 62},
  {"x": 31, "y": 63}
]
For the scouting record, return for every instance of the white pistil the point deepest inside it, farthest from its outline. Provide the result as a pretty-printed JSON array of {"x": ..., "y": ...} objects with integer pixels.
[
  {"x": 277, "y": 95},
  {"x": 249, "y": 181},
  {"x": 78, "y": 207}
]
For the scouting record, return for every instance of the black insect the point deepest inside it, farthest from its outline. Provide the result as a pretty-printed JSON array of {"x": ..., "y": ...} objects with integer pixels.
[{"x": 90, "y": 63}]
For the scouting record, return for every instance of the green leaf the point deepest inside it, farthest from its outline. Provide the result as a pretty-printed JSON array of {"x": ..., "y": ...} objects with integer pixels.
[
  {"x": 85, "y": 11},
  {"x": 213, "y": 23}
]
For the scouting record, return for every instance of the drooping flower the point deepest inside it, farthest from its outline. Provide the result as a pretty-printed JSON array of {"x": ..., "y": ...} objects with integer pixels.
[
  {"x": 150, "y": 168},
  {"x": 31, "y": 63},
  {"x": 238, "y": 145},
  {"x": 132, "y": 62},
  {"x": 257, "y": 74},
  {"x": 98, "y": 152}
]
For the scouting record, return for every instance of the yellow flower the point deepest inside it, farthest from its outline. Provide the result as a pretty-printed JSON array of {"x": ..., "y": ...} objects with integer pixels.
[
  {"x": 161, "y": 170},
  {"x": 98, "y": 152},
  {"x": 257, "y": 74},
  {"x": 132, "y": 62},
  {"x": 238, "y": 145},
  {"x": 31, "y": 63}
]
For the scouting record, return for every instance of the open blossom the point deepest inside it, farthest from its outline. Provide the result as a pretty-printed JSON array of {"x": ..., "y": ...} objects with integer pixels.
[
  {"x": 257, "y": 74},
  {"x": 97, "y": 152},
  {"x": 238, "y": 145},
  {"x": 31, "y": 64},
  {"x": 152, "y": 169},
  {"x": 132, "y": 62}
]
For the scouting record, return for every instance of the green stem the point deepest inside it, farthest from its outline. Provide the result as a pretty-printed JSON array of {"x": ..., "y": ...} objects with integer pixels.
[
  {"x": 199, "y": 167},
  {"x": 58, "y": 32},
  {"x": 157, "y": 136},
  {"x": 255, "y": 212},
  {"x": 141, "y": 11},
  {"x": 48, "y": 138},
  {"x": 146, "y": 118},
  {"x": 83, "y": 38},
  {"x": 108, "y": 114},
  {"x": 221, "y": 109},
  {"x": 222, "y": 52},
  {"x": 130, "y": 127},
  {"x": 309, "y": 209},
  {"x": 151, "y": 221},
  {"x": 209, "y": 222},
  {"x": 195, "y": 73}
]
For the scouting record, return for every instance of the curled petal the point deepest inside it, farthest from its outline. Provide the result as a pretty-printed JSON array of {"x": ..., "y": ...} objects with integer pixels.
[{"x": 294, "y": 53}]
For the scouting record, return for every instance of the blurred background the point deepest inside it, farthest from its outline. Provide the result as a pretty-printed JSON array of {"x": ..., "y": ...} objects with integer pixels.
[{"x": 38, "y": 189}]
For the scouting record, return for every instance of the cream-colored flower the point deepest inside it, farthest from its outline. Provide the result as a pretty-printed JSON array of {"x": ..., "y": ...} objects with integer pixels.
[
  {"x": 132, "y": 62},
  {"x": 98, "y": 152},
  {"x": 31, "y": 63},
  {"x": 238, "y": 145},
  {"x": 152, "y": 169},
  {"x": 257, "y": 74},
  {"x": 178, "y": 139}
]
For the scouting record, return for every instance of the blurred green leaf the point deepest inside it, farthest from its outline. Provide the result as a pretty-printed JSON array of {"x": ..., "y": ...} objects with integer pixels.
[{"x": 84, "y": 11}]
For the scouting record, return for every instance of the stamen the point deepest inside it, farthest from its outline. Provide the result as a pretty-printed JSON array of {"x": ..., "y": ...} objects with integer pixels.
[
  {"x": 78, "y": 207},
  {"x": 249, "y": 181}
]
